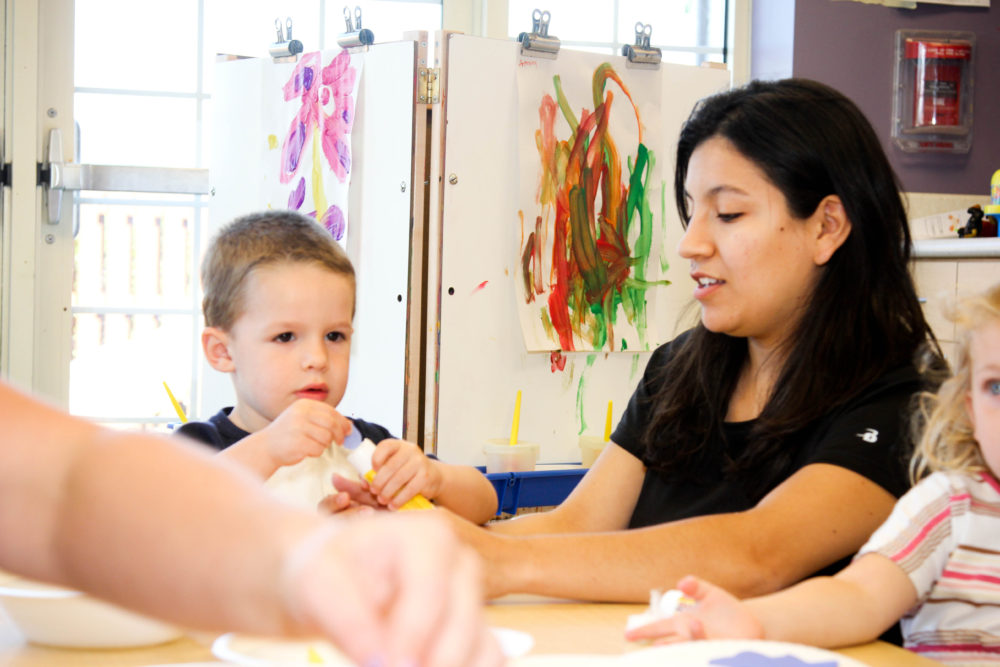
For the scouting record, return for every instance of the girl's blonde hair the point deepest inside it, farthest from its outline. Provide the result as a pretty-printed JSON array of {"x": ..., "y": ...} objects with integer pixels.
[{"x": 947, "y": 442}]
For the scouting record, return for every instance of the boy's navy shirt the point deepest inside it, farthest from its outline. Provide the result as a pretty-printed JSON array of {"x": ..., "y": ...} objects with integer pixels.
[{"x": 220, "y": 432}]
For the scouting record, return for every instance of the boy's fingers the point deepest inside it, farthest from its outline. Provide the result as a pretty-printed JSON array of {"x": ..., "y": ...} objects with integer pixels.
[{"x": 384, "y": 451}]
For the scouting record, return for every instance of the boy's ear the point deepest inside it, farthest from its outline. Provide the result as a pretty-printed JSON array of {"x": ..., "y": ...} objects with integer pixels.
[
  {"x": 833, "y": 228},
  {"x": 215, "y": 343}
]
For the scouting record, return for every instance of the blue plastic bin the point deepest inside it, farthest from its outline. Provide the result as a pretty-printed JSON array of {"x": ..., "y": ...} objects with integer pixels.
[{"x": 538, "y": 488}]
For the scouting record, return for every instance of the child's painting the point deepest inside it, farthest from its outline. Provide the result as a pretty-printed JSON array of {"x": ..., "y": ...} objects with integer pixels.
[
  {"x": 309, "y": 111},
  {"x": 314, "y": 164},
  {"x": 590, "y": 203}
]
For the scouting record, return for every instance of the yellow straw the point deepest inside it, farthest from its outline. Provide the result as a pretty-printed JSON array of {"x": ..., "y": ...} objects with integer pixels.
[
  {"x": 177, "y": 406},
  {"x": 517, "y": 418},
  {"x": 607, "y": 424}
]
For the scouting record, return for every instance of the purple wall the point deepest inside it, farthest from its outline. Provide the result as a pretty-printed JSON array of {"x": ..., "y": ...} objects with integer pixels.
[{"x": 849, "y": 45}]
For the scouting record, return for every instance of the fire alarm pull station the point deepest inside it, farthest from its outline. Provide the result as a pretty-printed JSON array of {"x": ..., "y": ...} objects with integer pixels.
[{"x": 932, "y": 102}]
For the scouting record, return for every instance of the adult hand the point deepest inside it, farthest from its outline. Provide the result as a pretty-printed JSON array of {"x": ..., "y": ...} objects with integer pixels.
[
  {"x": 392, "y": 590},
  {"x": 716, "y": 615},
  {"x": 305, "y": 428}
]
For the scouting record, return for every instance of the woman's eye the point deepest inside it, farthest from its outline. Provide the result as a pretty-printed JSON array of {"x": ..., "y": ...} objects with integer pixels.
[
  {"x": 729, "y": 217},
  {"x": 993, "y": 387},
  {"x": 284, "y": 337},
  {"x": 335, "y": 336}
]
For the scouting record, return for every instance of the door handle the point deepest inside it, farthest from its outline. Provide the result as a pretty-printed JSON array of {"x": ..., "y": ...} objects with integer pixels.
[{"x": 58, "y": 177}]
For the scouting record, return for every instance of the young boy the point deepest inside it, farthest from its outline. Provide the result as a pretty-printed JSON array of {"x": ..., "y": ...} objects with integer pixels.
[{"x": 278, "y": 306}]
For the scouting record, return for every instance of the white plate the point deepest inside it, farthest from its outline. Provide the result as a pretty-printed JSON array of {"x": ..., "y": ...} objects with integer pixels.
[
  {"x": 54, "y": 616},
  {"x": 261, "y": 652},
  {"x": 713, "y": 653},
  {"x": 737, "y": 653}
]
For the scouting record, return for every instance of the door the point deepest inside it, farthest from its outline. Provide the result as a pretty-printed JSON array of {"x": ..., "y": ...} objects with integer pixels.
[{"x": 93, "y": 311}]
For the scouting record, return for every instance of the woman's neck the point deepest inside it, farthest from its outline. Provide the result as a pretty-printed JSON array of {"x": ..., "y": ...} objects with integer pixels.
[{"x": 756, "y": 382}]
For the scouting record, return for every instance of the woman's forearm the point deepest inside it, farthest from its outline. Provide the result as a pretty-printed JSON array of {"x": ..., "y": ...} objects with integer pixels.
[{"x": 623, "y": 566}]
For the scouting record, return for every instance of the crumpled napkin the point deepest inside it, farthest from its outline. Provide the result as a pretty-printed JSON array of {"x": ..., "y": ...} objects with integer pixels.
[{"x": 661, "y": 605}]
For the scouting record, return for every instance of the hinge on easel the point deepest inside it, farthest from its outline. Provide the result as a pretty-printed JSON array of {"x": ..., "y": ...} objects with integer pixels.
[{"x": 428, "y": 85}]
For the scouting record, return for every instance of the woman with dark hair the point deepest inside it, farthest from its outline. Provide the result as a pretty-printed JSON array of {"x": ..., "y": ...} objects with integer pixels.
[{"x": 766, "y": 444}]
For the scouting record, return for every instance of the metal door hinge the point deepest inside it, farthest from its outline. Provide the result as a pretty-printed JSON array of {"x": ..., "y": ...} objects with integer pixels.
[
  {"x": 5, "y": 170},
  {"x": 428, "y": 85}
]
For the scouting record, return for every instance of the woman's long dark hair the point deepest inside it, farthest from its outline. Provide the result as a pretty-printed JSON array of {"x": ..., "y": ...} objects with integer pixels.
[{"x": 863, "y": 318}]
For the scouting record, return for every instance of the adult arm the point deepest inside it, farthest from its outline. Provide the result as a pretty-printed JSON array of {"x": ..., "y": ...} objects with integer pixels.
[
  {"x": 818, "y": 515},
  {"x": 164, "y": 527}
]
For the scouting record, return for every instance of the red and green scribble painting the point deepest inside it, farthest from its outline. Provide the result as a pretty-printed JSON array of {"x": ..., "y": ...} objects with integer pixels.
[{"x": 596, "y": 218}]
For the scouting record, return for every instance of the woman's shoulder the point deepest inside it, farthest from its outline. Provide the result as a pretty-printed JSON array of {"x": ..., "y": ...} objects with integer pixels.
[{"x": 904, "y": 379}]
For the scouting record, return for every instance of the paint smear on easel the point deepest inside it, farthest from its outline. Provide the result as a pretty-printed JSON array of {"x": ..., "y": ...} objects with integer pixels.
[
  {"x": 580, "y": 391},
  {"x": 557, "y": 361},
  {"x": 584, "y": 259},
  {"x": 480, "y": 286}
]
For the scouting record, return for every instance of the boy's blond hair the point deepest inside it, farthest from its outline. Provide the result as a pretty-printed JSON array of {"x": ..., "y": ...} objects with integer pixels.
[
  {"x": 261, "y": 239},
  {"x": 947, "y": 441}
]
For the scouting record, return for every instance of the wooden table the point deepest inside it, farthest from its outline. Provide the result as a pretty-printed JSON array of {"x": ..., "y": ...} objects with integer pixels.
[{"x": 558, "y": 626}]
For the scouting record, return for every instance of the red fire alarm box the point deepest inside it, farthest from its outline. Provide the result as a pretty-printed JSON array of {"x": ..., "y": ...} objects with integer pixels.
[{"x": 932, "y": 104}]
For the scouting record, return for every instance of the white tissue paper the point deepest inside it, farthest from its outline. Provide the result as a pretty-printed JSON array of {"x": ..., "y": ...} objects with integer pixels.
[
  {"x": 661, "y": 605},
  {"x": 310, "y": 480}
]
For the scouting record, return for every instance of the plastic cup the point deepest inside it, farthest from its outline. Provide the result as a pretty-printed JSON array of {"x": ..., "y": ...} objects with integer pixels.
[
  {"x": 591, "y": 447},
  {"x": 501, "y": 456}
]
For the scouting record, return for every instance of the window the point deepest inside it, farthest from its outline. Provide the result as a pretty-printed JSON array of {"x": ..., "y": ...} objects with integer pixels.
[
  {"x": 688, "y": 32},
  {"x": 143, "y": 97}
]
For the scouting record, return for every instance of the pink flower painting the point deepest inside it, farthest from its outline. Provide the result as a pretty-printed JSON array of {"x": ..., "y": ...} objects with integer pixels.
[
  {"x": 323, "y": 122},
  {"x": 327, "y": 107}
]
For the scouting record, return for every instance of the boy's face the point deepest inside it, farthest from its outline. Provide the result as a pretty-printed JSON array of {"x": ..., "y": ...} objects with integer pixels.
[
  {"x": 983, "y": 401},
  {"x": 292, "y": 341}
]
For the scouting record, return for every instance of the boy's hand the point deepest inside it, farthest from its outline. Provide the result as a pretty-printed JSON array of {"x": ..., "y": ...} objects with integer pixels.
[
  {"x": 717, "y": 615},
  {"x": 402, "y": 471},
  {"x": 305, "y": 428},
  {"x": 352, "y": 494}
]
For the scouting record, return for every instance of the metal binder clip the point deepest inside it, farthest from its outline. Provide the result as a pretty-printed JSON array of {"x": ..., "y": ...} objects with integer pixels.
[
  {"x": 285, "y": 48},
  {"x": 640, "y": 54},
  {"x": 355, "y": 34},
  {"x": 538, "y": 42}
]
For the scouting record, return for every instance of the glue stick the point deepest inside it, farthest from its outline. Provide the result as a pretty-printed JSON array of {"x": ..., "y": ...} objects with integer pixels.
[{"x": 361, "y": 460}]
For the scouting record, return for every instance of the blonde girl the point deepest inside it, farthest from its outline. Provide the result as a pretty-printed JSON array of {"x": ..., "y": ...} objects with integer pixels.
[{"x": 934, "y": 564}]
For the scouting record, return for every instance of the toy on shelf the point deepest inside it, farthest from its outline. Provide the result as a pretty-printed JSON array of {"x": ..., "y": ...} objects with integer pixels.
[
  {"x": 974, "y": 225},
  {"x": 992, "y": 211},
  {"x": 982, "y": 222}
]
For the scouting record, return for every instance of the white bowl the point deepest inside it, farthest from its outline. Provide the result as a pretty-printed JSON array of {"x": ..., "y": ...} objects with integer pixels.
[{"x": 59, "y": 617}]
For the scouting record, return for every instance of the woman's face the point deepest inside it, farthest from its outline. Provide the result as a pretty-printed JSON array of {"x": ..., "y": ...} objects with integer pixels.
[{"x": 754, "y": 265}]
